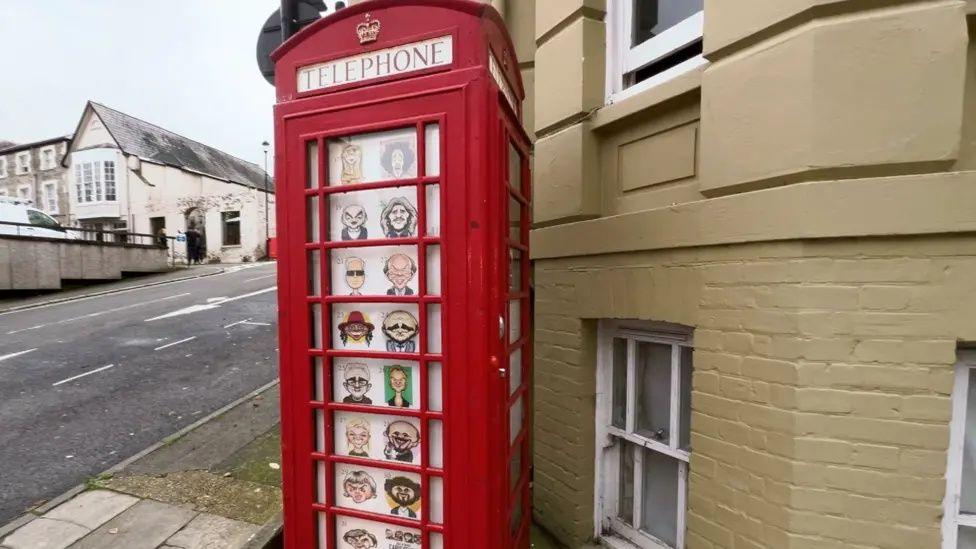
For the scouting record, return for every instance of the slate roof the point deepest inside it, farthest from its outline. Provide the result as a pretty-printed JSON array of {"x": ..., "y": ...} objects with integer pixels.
[
  {"x": 7, "y": 147},
  {"x": 150, "y": 142}
]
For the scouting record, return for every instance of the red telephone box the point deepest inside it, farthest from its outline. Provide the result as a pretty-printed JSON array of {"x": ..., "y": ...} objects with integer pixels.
[{"x": 404, "y": 187}]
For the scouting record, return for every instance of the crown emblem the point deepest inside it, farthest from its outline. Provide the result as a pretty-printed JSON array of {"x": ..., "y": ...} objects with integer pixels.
[{"x": 368, "y": 30}]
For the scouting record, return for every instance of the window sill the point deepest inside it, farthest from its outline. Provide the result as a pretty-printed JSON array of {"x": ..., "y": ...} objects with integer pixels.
[
  {"x": 615, "y": 542},
  {"x": 684, "y": 83},
  {"x": 230, "y": 246}
]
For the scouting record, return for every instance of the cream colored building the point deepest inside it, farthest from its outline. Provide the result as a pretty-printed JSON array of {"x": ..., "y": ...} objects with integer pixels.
[
  {"x": 129, "y": 175},
  {"x": 759, "y": 215}
]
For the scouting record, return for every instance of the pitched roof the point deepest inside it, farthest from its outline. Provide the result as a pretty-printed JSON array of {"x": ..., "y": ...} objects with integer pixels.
[
  {"x": 152, "y": 143},
  {"x": 9, "y": 146}
]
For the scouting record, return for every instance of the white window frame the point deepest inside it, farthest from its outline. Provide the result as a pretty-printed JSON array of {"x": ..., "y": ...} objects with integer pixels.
[
  {"x": 3, "y": 167},
  {"x": 25, "y": 165},
  {"x": 608, "y": 453},
  {"x": 622, "y": 59},
  {"x": 54, "y": 157},
  {"x": 46, "y": 205},
  {"x": 29, "y": 195},
  {"x": 94, "y": 190},
  {"x": 952, "y": 519}
]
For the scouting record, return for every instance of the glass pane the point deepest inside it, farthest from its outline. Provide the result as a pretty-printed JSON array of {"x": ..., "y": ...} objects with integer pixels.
[
  {"x": 315, "y": 326},
  {"x": 514, "y": 219},
  {"x": 379, "y": 156},
  {"x": 389, "y": 327},
  {"x": 515, "y": 416},
  {"x": 319, "y": 431},
  {"x": 433, "y": 270},
  {"x": 379, "y": 213},
  {"x": 437, "y": 500},
  {"x": 381, "y": 491},
  {"x": 318, "y": 379},
  {"x": 377, "y": 437},
  {"x": 435, "y": 380},
  {"x": 357, "y": 533},
  {"x": 514, "y": 370},
  {"x": 433, "y": 210},
  {"x": 659, "y": 497},
  {"x": 322, "y": 528},
  {"x": 516, "y": 520},
  {"x": 435, "y": 438},
  {"x": 432, "y": 149},
  {"x": 434, "y": 328},
  {"x": 376, "y": 382},
  {"x": 315, "y": 273},
  {"x": 625, "y": 497},
  {"x": 312, "y": 218},
  {"x": 967, "y": 499},
  {"x": 320, "y": 472},
  {"x": 312, "y": 165},
  {"x": 684, "y": 422},
  {"x": 515, "y": 468},
  {"x": 436, "y": 541},
  {"x": 380, "y": 270},
  {"x": 652, "y": 17},
  {"x": 514, "y": 320},
  {"x": 619, "y": 413},
  {"x": 967, "y": 538},
  {"x": 514, "y": 167},
  {"x": 652, "y": 413},
  {"x": 514, "y": 270}
]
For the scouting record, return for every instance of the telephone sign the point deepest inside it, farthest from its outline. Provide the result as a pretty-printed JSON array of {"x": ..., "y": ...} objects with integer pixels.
[{"x": 404, "y": 187}]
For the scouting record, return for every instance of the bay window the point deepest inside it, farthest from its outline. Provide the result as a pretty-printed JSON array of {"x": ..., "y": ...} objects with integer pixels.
[{"x": 95, "y": 181}]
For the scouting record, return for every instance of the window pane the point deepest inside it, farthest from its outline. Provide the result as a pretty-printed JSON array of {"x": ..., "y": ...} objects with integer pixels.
[
  {"x": 653, "y": 406},
  {"x": 315, "y": 273},
  {"x": 515, "y": 468},
  {"x": 312, "y": 217},
  {"x": 652, "y": 17},
  {"x": 625, "y": 500},
  {"x": 659, "y": 496},
  {"x": 684, "y": 422},
  {"x": 433, "y": 210},
  {"x": 371, "y": 157},
  {"x": 514, "y": 167},
  {"x": 515, "y": 416},
  {"x": 312, "y": 164},
  {"x": 515, "y": 371},
  {"x": 967, "y": 500},
  {"x": 432, "y": 149},
  {"x": 619, "y": 413},
  {"x": 967, "y": 538},
  {"x": 514, "y": 270},
  {"x": 514, "y": 219},
  {"x": 433, "y": 270}
]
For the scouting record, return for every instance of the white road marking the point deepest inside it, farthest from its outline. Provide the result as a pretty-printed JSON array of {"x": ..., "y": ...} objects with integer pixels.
[
  {"x": 11, "y": 355},
  {"x": 210, "y": 306},
  {"x": 236, "y": 323},
  {"x": 248, "y": 322},
  {"x": 100, "y": 313},
  {"x": 261, "y": 277},
  {"x": 175, "y": 343},
  {"x": 79, "y": 376}
]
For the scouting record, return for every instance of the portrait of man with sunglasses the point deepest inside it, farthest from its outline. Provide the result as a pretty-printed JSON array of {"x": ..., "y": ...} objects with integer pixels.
[{"x": 355, "y": 275}]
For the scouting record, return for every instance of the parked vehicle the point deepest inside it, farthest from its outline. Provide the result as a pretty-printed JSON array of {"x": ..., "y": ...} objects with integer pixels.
[{"x": 32, "y": 222}]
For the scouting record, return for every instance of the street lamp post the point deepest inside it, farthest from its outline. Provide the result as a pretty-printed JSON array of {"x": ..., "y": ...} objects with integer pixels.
[{"x": 267, "y": 219}]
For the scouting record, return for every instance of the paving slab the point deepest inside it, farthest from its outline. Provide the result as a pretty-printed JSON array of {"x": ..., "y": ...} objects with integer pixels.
[
  {"x": 45, "y": 533},
  {"x": 208, "y": 531},
  {"x": 92, "y": 509},
  {"x": 145, "y": 525}
]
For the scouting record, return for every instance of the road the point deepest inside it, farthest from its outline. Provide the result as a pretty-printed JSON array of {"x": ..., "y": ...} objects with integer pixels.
[{"x": 85, "y": 384}]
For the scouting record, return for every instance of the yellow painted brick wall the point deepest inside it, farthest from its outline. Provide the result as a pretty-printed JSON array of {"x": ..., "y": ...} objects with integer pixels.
[{"x": 821, "y": 391}]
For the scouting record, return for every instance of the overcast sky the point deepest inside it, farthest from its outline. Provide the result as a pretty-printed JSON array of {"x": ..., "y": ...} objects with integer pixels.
[{"x": 186, "y": 65}]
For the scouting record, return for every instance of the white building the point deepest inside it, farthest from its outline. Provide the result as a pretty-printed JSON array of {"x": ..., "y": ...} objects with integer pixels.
[{"x": 129, "y": 175}]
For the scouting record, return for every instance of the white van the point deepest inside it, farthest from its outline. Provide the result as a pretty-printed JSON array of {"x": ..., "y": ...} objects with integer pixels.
[{"x": 33, "y": 222}]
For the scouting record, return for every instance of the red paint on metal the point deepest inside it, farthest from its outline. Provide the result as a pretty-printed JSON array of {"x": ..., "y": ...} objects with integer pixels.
[{"x": 477, "y": 127}]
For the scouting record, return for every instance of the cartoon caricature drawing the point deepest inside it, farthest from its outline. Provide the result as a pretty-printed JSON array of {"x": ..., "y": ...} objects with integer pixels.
[
  {"x": 400, "y": 328},
  {"x": 404, "y": 493},
  {"x": 356, "y": 328},
  {"x": 352, "y": 164},
  {"x": 401, "y": 439},
  {"x": 359, "y": 486},
  {"x": 399, "y": 218},
  {"x": 399, "y": 382},
  {"x": 355, "y": 275},
  {"x": 398, "y": 159},
  {"x": 357, "y": 384},
  {"x": 354, "y": 223},
  {"x": 400, "y": 270},
  {"x": 360, "y": 539},
  {"x": 357, "y": 437}
]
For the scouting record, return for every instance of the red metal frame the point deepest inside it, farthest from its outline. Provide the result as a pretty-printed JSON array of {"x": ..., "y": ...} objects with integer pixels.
[{"x": 476, "y": 126}]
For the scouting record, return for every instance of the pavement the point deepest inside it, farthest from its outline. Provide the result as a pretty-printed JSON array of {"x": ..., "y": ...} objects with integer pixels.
[
  {"x": 216, "y": 485},
  {"x": 87, "y": 382}
]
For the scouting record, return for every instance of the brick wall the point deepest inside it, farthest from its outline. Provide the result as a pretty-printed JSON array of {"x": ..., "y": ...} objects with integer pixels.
[{"x": 821, "y": 391}]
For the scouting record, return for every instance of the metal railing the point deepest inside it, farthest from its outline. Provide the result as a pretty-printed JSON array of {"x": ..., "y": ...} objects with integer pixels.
[{"x": 76, "y": 234}]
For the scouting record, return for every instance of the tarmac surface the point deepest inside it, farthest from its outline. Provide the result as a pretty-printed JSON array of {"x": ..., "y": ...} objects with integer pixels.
[{"x": 87, "y": 383}]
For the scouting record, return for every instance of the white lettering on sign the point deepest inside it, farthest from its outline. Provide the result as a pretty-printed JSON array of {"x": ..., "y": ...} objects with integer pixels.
[
  {"x": 501, "y": 80},
  {"x": 436, "y": 52}
]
